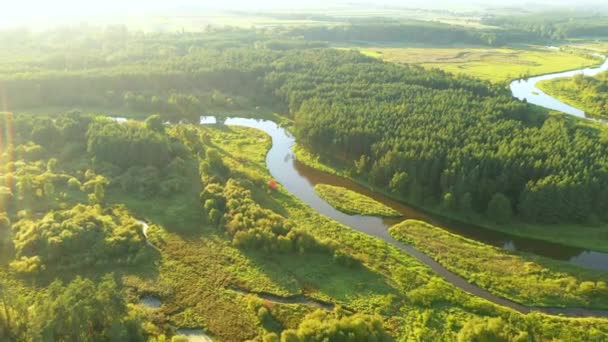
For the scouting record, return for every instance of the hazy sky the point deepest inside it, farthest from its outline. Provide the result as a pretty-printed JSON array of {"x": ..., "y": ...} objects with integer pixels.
[
  {"x": 12, "y": 8},
  {"x": 70, "y": 7},
  {"x": 30, "y": 10}
]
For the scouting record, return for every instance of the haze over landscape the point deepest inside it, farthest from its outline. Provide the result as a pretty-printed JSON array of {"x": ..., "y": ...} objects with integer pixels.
[
  {"x": 301, "y": 171},
  {"x": 38, "y": 13}
]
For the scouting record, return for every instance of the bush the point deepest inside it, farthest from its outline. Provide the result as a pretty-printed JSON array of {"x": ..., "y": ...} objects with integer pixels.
[
  {"x": 83, "y": 236},
  {"x": 322, "y": 326},
  {"x": 490, "y": 330},
  {"x": 499, "y": 208}
]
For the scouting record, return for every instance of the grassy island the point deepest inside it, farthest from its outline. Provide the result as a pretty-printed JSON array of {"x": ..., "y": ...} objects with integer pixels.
[{"x": 352, "y": 202}]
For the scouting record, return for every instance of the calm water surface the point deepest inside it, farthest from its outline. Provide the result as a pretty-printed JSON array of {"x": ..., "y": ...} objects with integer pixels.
[{"x": 525, "y": 89}]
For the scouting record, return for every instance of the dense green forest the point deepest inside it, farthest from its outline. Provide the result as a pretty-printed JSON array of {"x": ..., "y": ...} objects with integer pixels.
[
  {"x": 587, "y": 93},
  {"x": 74, "y": 185},
  {"x": 426, "y": 135},
  {"x": 499, "y": 30},
  {"x": 411, "y": 32},
  {"x": 554, "y": 25},
  {"x": 457, "y": 142}
]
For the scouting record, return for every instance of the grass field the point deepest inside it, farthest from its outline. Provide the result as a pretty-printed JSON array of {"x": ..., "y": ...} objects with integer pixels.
[
  {"x": 493, "y": 64},
  {"x": 353, "y": 203},
  {"x": 595, "y": 46},
  {"x": 523, "y": 278}
]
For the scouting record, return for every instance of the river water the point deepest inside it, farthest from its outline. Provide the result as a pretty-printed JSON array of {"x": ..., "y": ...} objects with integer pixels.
[
  {"x": 300, "y": 180},
  {"x": 525, "y": 89}
]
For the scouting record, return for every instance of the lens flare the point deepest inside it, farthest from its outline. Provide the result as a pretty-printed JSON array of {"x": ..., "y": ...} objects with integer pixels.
[{"x": 6, "y": 151}]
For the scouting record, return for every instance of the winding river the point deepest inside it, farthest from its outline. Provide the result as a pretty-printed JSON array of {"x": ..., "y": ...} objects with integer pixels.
[
  {"x": 300, "y": 180},
  {"x": 526, "y": 89}
]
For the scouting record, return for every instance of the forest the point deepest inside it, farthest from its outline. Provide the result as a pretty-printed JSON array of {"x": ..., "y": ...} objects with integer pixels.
[
  {"x": 400, "y": 127},
  {"x": 79, "y": 244},
  {"x": 99, "y": 212},
  {"x": 555, "y": 25}
]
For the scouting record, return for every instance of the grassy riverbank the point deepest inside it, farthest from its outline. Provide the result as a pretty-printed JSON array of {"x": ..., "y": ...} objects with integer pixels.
[
  {"x": 594, "y": 237},
  {"x": 527, "y": 279},
  {"x": 493, "y": 64},
  {"x": 581, "y": 92},
  {"x": 353, "y": 203}
]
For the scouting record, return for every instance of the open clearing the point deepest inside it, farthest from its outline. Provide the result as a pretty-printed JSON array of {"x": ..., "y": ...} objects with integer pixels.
[{"x": 493, "y": 64}]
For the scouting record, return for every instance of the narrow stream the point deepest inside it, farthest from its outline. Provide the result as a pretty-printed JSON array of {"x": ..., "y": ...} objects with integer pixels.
[
  {"x": 299, "y": 180},
  {"x": 526, "y": 89}
]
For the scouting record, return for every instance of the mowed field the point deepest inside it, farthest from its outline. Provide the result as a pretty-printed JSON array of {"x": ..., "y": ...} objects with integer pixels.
[{"x": 493, "y": 64}]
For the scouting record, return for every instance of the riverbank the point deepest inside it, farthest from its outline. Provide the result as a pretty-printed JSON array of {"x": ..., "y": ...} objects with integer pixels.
[
  {"x": 524, "y": 278},
  {"x": 584, "y": 94},
  {"x": 528, "y": 89},
  {"x": 595, "y": 238}
]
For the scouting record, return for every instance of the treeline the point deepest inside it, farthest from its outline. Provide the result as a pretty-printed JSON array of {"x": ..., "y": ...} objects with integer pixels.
[
  {"x": 137, "y": 157},
  {"x": 163, "y": 91},
  {"x": 557, "y": 25},
  {"x": 423, "y": 32}
]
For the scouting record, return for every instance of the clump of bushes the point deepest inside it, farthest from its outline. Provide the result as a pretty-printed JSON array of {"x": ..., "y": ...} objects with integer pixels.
[
  {"x": 329, "y": 326},
  {"x": 83, "y": 236},
  {"x": 231, "y": 206}
]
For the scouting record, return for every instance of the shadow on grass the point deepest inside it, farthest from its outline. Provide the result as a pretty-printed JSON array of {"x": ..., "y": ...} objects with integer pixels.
[{"x": 319, "y": 276}]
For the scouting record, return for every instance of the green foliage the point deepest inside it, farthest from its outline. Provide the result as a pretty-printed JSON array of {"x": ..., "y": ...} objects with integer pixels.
[
  {"x": 587, "y": 93},
  {"x": 139, "y": 146},
  {"x": 530, "y": 280},
  {"x": 83, "y": 311},
  {"x": 83, "y": 236},
  {"x": 412, "y": 124},
  {"x": 401, "y": 137},
  {"x": 553, "y": 25},
  {"x": 398, "y": 183},
  {"x": 155, "y": 123},
  {"x": 448, "y": 201},
  {"x": 499, "y": 208},
  {"x": 5, "y": 223},
  {"x": 403, "y": 126},
  {"x": 213, "y": 164},
  {"x": 490, "y": 330},
  {"x": 412, "y": 31},
  {"x": 352, "y": 202},
  {"x": 13, "y": 314},
  {"x": 187, "y": 105},
  {"x": 322, "y": 326},
  {"x": 254, "y": 227}
]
